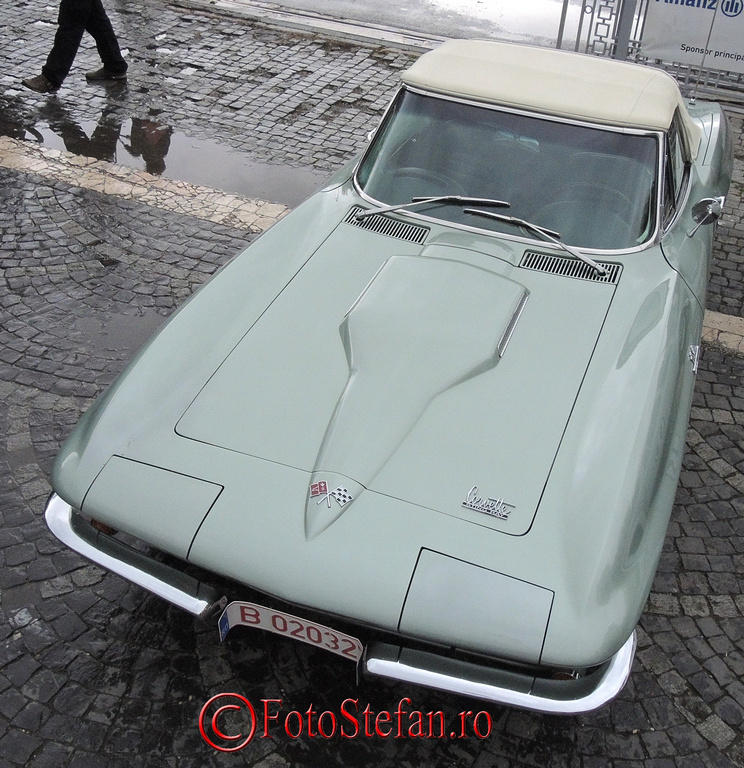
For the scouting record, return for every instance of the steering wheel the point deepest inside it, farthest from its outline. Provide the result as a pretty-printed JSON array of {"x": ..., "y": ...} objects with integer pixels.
[
  {"x": 598, "y": 193},
  {"x": 575, "y": 199},
  {"x": 442, "y": 184},
  {"x": 591, "y": 215}
]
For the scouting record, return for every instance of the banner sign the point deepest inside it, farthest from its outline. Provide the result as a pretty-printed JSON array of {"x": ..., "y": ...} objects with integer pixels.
[{"x": 703, "y": 33}]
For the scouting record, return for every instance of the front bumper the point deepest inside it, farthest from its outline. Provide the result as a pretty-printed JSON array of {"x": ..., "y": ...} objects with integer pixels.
[
  {"x": 162, "y": 580},
  {"x": 481, "y": 681},
  {"x": 557, "y": 697}
]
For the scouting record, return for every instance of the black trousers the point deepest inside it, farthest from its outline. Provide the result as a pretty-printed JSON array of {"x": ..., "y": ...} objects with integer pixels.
[{"x": 75, "y": 18}]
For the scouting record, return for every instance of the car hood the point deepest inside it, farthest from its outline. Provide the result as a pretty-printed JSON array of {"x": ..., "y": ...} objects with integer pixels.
[
  {"x": 443, "y": 377},
  {"x": 336, "y": 419}
]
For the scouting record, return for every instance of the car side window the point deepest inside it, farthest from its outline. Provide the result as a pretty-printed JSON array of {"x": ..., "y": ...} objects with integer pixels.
[{"x": 675, "y": 171}]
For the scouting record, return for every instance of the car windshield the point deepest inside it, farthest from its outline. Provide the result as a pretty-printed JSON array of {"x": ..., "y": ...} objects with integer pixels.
[{"x": 594, "y": 186}]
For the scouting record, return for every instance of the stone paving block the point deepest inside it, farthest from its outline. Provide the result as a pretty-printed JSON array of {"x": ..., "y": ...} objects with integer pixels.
[{"x": 715, "y": 730}]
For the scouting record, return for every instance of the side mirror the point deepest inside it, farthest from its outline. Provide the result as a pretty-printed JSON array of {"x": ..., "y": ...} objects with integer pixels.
[{"x": 706, "y": 211}]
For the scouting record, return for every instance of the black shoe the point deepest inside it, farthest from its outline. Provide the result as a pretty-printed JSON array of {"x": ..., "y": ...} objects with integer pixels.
[
  {"x": 41, "y": 84},
  {"x": 105, "y": 74}
]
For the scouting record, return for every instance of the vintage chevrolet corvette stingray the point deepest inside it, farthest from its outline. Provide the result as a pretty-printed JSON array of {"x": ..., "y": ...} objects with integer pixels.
[{"x": 437, "y": 413}]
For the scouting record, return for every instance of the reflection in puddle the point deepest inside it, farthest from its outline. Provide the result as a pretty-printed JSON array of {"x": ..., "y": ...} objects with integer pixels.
[
  {"x": 162, "y": 151},
  {"x": 213, "y": 165},
  {"x": 149, "y": 145}
]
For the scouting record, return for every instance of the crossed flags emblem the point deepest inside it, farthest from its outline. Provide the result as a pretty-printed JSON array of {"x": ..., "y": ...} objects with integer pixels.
[{"x": 320, "y": 488}]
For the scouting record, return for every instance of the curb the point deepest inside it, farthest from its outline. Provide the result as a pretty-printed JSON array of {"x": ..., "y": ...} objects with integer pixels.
[
  {"x": 119, "y": 181},
  {"x": 272, "y": 15},
  {"x": 724, "y": 331}
]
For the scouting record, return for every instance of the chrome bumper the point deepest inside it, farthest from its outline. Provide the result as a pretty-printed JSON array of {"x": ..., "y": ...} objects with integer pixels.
[
  {"x": 566, "y": 697},
  {"x": 169, "y": 583},
  {"x": 559, "y": 697}
]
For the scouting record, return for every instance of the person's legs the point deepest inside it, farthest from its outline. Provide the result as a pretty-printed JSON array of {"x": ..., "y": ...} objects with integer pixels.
[
  {"x": 99, "y": 26},
  {"x": 73, "y": 15},
  {"x": 105, "y": 137}
]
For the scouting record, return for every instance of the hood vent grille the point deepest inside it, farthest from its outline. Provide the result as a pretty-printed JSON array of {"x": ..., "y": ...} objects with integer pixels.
[
  {"x": 384, "y": 225},
  {"x": 570, "y": 267}
]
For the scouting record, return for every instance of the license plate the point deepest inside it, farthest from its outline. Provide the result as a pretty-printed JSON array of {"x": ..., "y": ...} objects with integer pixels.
[{"x": 241, "y": 614}]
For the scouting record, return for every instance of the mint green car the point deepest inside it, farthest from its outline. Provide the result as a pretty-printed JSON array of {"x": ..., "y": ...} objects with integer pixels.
[{"x": 437, "y": 413}]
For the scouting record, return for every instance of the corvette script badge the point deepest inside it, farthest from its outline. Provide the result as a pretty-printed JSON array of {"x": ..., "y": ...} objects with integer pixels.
[
  {"x": 320, "y": 488},
  {"x": 495, "y": 507}
]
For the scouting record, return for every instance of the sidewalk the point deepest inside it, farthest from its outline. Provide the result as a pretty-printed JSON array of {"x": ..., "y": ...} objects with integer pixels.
[
  {"x": 272, "y": 15},
  {"x": 118, "y": 181}
]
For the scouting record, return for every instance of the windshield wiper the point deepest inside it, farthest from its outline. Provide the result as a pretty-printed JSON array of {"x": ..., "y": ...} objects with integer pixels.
[
  {"x": 461, "y": 199},
  {"x": 552, "y": 235}
]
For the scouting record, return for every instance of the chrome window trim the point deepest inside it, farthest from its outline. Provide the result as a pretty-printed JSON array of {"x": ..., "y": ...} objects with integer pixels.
[
  {"x": 681, "y": 205},
  {"x": 529, "y": 113},
  {"x": 681, "y": 202},
  {"x": 660, "y": 136}
]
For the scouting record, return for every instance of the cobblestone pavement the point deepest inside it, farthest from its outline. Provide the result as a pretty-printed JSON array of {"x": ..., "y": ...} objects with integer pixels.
[
  {"x": 283, "y": 97},
  {"x": 93, "y": 672},
  {"x": 726, "y": 289}
]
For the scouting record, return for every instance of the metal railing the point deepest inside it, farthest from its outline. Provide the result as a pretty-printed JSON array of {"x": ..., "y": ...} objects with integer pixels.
[
  {"x": 615, "y": 28},
  {"x": 589, "y": 26}
]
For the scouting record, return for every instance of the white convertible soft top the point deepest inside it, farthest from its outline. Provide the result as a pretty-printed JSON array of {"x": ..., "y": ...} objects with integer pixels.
[{"x": 555, "y": 82}]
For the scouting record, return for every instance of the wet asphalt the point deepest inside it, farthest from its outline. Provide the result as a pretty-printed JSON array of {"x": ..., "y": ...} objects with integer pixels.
[{"x": 94, "y": 672}]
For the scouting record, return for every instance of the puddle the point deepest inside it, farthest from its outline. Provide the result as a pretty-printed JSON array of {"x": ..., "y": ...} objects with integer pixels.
[
  {"x": 208, "y": 163},
  {"x": 198, "y": 161},
  {"x": 145, "y": 144}
]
